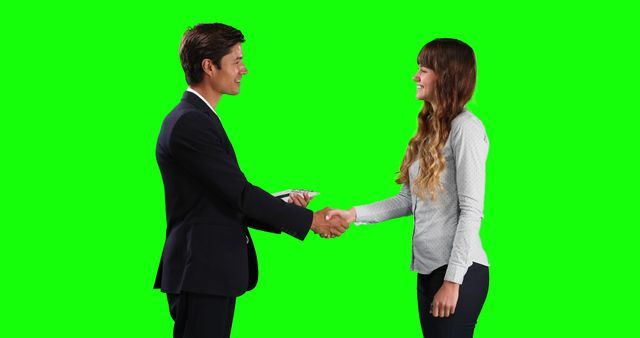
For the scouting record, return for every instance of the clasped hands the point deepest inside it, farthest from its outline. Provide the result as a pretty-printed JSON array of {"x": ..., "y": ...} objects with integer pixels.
[{"x": 328, "y": 223}]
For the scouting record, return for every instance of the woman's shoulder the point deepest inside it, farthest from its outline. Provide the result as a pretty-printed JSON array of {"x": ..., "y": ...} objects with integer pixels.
[
  {"x": 467, "y": 122},
  {"x": 466, "y": 119}
]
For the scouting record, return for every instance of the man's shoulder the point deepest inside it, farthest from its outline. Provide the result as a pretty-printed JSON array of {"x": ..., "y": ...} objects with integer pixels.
[{"x": 187, "y": 113}]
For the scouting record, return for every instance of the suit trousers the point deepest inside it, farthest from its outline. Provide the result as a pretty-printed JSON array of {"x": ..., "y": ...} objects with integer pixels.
[
  {"x": 198, "y": 315},
  {"x": 471, "y": 297}
]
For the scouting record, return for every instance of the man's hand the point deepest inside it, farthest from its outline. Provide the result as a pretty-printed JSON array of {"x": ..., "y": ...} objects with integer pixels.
[
  {"x": 300, "y": 200},
  {"x": 328, "y": 228}
]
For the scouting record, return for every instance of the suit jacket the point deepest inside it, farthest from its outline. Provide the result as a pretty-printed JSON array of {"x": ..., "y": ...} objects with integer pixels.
[{"x": 209, "y": 205}]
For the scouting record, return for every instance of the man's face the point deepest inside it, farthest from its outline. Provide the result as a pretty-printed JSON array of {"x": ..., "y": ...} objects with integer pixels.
[{"x": 226, "y": 80}]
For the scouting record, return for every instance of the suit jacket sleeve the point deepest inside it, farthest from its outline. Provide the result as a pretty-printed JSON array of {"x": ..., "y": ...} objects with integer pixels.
[
  {"x": 255, "y": 224},
  {"x": 198, "y": 147}
]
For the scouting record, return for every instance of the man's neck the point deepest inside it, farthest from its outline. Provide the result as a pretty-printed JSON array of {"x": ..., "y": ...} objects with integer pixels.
[{"x": 212, "y": 96}]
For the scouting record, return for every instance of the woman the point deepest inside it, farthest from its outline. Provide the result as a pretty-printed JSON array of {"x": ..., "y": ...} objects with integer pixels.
[{"x": 443, "y": 179}]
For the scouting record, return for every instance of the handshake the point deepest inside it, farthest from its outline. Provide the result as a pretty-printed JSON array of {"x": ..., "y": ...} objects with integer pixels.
[{"x": 328, "y": 223}]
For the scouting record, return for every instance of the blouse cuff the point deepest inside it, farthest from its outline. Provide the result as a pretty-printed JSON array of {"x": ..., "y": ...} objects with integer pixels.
[
  {"x": 361, "y": 214},
  {"x": 455, "y": 273}
]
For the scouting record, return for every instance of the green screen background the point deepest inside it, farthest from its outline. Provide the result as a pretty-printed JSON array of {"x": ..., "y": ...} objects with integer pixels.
[{"x": 328, "y": 105}]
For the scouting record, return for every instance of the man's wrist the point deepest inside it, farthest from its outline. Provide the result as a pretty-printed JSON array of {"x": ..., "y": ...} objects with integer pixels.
[{"x": 318, "y": 219}]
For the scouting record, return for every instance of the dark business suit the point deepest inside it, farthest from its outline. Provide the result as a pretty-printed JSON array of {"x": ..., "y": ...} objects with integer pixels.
[{"x": 209, "y": 202}]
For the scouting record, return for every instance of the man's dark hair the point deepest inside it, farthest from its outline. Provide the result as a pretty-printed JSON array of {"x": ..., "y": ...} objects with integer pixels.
[{"x": 206, "y": 41}]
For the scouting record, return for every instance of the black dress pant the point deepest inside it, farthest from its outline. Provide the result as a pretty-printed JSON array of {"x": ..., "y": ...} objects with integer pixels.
[
  {"x": 201, "y": 316},
  {"x": 473, "y": 292}
]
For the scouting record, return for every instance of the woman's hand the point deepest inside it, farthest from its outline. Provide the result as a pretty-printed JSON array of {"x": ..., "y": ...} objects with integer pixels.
[
  {"x": 347, "y": 215},
  {"x": 300, "y": 200},
  {"x": 445, "y": 301}
]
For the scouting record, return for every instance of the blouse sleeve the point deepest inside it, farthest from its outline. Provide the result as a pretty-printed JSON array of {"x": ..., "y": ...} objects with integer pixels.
[
  {"x": 470, "y": 147},
  {"x": 397, "y": 206}
]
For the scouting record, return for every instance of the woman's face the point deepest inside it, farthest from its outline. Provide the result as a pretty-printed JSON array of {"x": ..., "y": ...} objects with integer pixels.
[{"x": 426, "y": 81}]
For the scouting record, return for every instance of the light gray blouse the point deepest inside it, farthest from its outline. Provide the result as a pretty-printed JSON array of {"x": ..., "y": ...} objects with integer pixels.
[{"x": 446, "y": 231}]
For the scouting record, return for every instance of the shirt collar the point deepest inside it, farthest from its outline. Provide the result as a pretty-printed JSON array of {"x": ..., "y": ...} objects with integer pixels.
[{"x": 189, "y": 89}]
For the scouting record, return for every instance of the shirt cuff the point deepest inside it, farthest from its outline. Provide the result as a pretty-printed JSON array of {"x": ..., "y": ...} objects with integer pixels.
[{"x": 455, "y": 273}]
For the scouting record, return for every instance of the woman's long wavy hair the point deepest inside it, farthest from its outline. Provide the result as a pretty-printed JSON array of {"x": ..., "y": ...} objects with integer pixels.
[{"x": 454, "y": 65}]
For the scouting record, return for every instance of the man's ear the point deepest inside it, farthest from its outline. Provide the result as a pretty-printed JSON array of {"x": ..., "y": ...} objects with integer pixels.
[{"x": 209, "y": 68}]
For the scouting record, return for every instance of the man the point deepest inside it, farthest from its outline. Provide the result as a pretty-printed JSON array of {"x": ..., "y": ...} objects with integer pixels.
[{"x": 209, "y": 258}]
